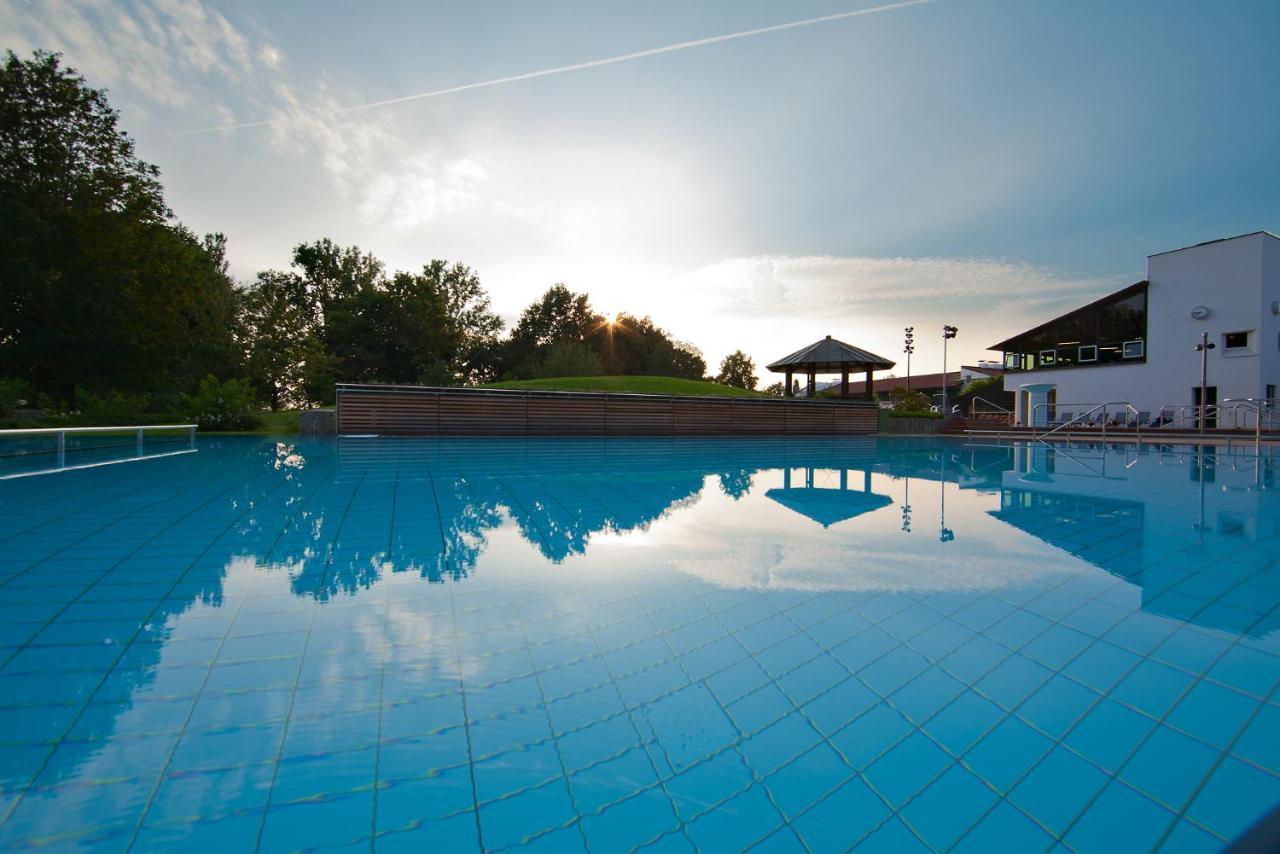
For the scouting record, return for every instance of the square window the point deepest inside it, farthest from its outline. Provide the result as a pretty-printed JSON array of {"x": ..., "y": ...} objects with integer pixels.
[
  {"x": 1235, "y": 340},
  {"x": 1134, "y": 349},
  {"x": 1088, "y": 352},
  {"x": 1048, "y": 357}
]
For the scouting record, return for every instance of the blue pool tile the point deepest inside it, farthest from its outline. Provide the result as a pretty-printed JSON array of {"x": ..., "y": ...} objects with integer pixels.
[
  {"x": 1190, "y": 649},
  {"x": 1260, "y": 743},
  {"x": 1058, "y": 788},
  {"x": 779, "y": 743},
  {"x": 639, "y": 819},
  {"x": 1212, "y": 713},
  {"x": 759, "y": 709},
  {"x": 1235, "y": 797},
  {"x": 907, "y": 768},
  {"x": 515, "y": 770},
  {"x": 892, "y": 836},
  {"x": 893, "y": 670},
  {"x": 703, "y": 786},
  {"x": 1120, "y": 819},
  {"x": 830, "y": 711},
  {"x": 805, "y": 780},
  {"x": 1004, "y": 828},
  {"x": 922, "y": 697},
  {"x": 1057, "y": 645},
  {"x": 457, "y": 833},
  {"x": 597, "y": 742},
  {"x": 609, "y": 781},
  {"x": 1187, "y": 838},
  {"x": 737, "y": 823},
  {"x": 1152, "y": 687},
  {"x": 1109, "y": 734},
  {"x": 1057, "y": 705},
  {"x": 346, "y": 820},
  {"x": 1013, "y": 680},
  {"x": 842, "y": 818},
  {"x": 531, "y": 812},
  {"x": 236, "y": 832},
  {"x": 1102, "y": 665},
  {"x": 871, "y": 734},
  {"x": 948, "y": 807},
  {"x": 407, "y": 803},
  {"x": 668, "y": 718},
  {"x": 964, "y": 721},
  {"x": 864, "y": 648},
  {"x": 1248, "y": 670},
  {"x": 1169, "y": 767}
]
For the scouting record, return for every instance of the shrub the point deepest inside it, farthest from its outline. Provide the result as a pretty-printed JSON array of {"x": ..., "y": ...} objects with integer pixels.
[
  {"x": 908, "y": 400},
  {"x": 14, "y": 394},
  {"x": 111, "y": 407},
  {"x": 570, "y": 359},
  {"x": 223, "y": 405}
]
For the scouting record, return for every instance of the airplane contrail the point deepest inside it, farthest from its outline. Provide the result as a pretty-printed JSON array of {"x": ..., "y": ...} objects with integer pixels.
[{"x": 582, "y": 66}]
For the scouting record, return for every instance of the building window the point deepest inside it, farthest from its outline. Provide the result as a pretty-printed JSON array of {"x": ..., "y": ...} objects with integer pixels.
[
  {"x": 1235, "y": 340},
  {"x": 1134, "y": 349},
  {"x": 1088, "y": 353},
  {"x": 1047, "y": 357}
]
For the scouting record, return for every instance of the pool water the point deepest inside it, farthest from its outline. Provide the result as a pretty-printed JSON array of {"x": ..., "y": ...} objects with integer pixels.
[{"x": 610, "y": 644}]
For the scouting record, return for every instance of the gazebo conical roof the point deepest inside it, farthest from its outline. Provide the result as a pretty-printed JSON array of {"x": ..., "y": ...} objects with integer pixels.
[{"x": 830, "y": 354}]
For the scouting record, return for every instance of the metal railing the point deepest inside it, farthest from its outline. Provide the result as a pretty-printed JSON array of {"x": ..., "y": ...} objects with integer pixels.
[
  {"x": 1088, "y": 418},
  {"x": 60, "y": 447},
  {"x": 987, "y": 409}
]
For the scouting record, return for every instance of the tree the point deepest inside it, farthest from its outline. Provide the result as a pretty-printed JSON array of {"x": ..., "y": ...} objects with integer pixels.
[
  {"x": 737, "y": 369},
  {"x": 569, "y": 359},
  {"x": 101, "y": 288},
  {"x": 558, "y": 316},
  {"x": 273, "y": 330},
  {"x": 471, "y": 319},
  {"x": 637, "y": 345}
]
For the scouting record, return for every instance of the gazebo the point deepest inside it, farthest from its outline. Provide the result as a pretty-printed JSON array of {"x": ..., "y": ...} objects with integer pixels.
[{"x": 830, "y": 356}]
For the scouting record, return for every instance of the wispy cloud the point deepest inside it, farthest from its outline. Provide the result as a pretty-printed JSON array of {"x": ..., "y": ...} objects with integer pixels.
[{"x": 583, "y": 66}]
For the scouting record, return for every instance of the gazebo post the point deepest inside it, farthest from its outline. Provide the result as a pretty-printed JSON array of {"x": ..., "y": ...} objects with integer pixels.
[
  {"x": 786, "y": 392},
  {"x": 844, "y": 383},
  {"x": 813, "y": 381},
  {"x": 871, "y": 389}
]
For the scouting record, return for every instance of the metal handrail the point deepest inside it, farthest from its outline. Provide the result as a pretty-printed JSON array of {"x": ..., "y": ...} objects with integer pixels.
[
  {"x": 61, "y": 434},
  {"x": 973, "y": 407},
  {"x": 1086, "y": 413}
]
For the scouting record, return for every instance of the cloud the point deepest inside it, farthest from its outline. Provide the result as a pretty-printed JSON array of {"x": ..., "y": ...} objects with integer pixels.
[
  {"x": 168, "y": 51},
  {"x": 594, "y": 63},
  {"x": 790, "y": 285}
]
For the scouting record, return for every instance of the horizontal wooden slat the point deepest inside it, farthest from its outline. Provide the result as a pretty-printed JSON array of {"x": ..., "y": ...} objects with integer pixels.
[{"x": 412, "y": 411}]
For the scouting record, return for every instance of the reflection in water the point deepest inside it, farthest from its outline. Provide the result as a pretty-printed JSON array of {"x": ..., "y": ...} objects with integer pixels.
[{"x": 252, "y": 532}]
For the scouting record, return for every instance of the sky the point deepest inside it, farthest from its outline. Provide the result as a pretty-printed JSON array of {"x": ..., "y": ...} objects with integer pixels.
[{"x": 980, "y": 163}]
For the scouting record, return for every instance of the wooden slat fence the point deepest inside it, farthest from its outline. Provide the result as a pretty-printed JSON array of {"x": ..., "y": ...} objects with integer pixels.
[{"x": 388, "y": 410}]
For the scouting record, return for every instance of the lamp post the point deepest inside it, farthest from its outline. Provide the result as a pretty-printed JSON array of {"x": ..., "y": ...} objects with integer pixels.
[
  {"x": 948, "y": 332},
  {"x": 1203, "y": 349},
  {"x": 909, "y": 347}
]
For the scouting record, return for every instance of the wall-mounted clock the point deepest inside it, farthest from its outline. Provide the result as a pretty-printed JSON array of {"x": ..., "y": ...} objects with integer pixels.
[{"x": 1200, "y": 312}]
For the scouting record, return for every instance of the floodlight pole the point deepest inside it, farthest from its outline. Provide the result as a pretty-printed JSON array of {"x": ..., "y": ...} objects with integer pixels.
[
  {"x": 909, "y": 348},
  {"x": 1203, "y": 349},
  {"x": 948, "y": 332}
]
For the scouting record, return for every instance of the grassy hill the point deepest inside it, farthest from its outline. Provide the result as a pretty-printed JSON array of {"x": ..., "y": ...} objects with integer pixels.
[{"x": 636, "y": 385}]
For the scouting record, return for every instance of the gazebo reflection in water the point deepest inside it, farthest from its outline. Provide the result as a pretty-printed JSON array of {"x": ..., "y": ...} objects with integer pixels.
[{"x": 828, "y": 504}]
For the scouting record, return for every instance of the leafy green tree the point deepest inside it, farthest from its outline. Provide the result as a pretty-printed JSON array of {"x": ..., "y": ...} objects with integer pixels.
[
  {"x": 102, "y": 289},
  {"x": 569, "y": 359},
  {"x": 471, "y": 320},
  {"x": 737, "y": 369},
  {"x": 273, "y": 330},
  {"x": 558, "y": 316},
  {"x": 637, "y": 345}
]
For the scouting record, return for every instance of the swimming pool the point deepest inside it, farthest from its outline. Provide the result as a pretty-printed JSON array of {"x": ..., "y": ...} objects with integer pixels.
[{"x": 606, "y": 644}]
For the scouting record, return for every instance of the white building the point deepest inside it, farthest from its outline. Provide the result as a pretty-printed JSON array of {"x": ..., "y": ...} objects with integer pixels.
[{"x": 1138, "y": 345}]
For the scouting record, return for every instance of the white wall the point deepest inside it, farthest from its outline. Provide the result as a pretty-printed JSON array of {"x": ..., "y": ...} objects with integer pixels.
[{"x": 1237, "y": 279}]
